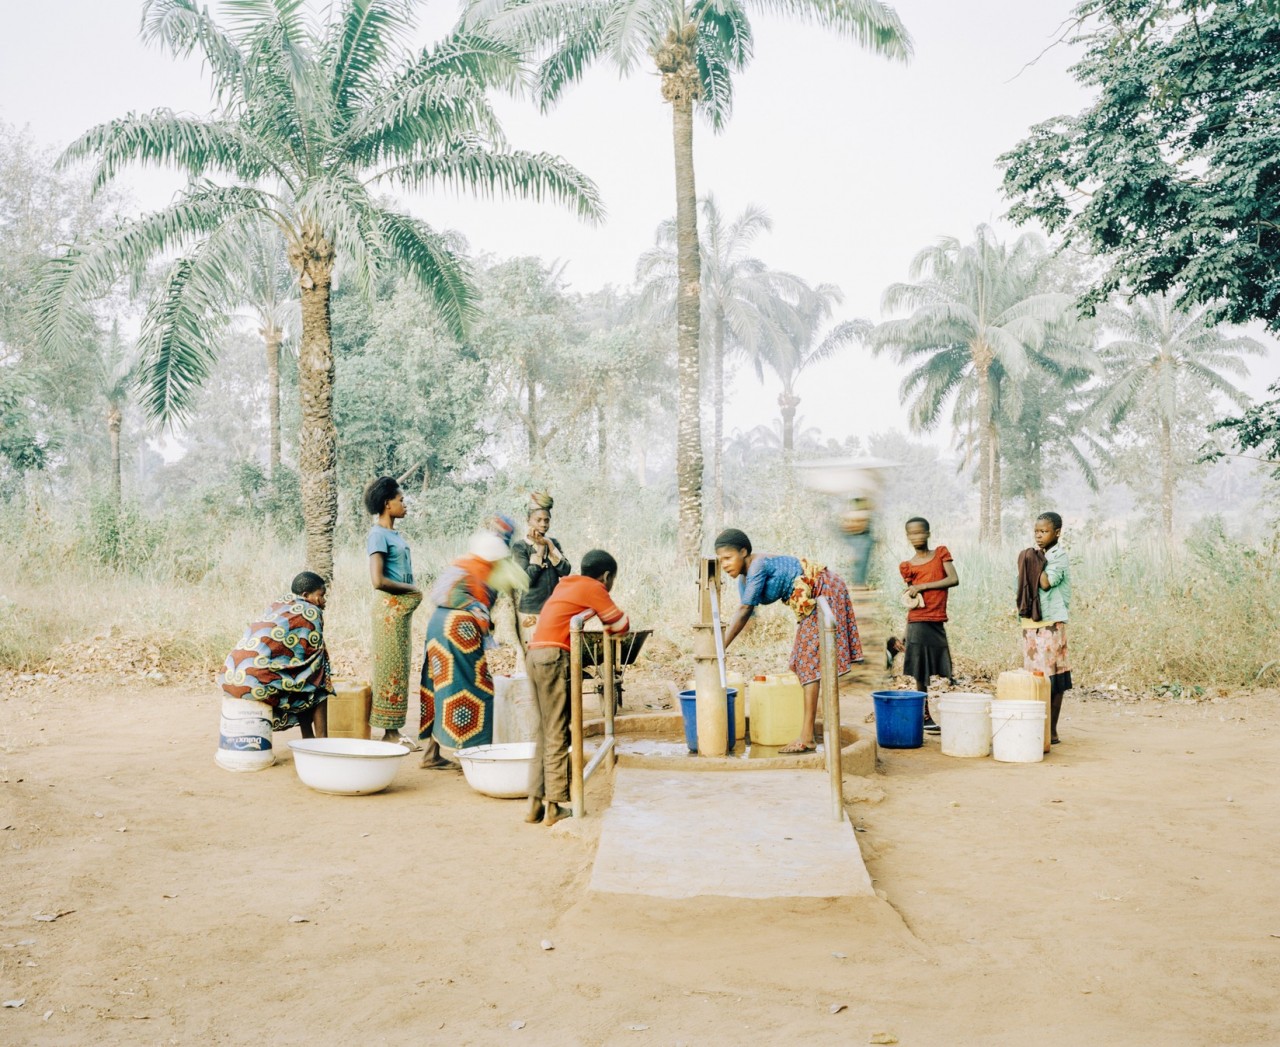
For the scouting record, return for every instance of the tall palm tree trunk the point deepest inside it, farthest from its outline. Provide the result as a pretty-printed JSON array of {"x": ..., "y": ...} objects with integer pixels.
[
  {"x": 788, "y": 402},
  {"x": 531, "y": 420},
  {"x": 996, "y": 505},
  {"x": 602, "y": 440},
  {"x": 114, "y": 417},
  {"x": 317, "y": 435},
  {"x": 681, "y": 86},
  {"x": 984, "y": 454},
  {"x": 271, "y": 338},
  {"x": 1166, "y": 477},
  {"x": 717, "y": 393}
]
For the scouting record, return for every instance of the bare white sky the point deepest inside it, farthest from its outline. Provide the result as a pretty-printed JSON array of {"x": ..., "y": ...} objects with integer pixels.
[{"x": 860, "y": 162}]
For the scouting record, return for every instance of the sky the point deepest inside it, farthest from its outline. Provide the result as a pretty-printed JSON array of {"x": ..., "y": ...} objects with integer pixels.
[{"x": 860, "y": 162}]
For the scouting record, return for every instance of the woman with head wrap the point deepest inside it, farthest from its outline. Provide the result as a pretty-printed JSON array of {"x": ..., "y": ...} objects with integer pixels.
[
  {"x": 456, "y": 693},
  {"x": 767, "y": 578},
  {"x": 542, "y": 560}
]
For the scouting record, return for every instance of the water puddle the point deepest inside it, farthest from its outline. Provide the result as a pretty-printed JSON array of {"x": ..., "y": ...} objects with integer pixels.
[{"x": 672, "y": 749}]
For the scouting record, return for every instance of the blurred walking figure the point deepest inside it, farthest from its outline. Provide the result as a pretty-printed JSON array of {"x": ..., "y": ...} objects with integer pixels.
[{"x": 857, "y": 531}]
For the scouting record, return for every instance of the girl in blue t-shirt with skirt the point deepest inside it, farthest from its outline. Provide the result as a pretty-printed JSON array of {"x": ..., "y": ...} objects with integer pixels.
[
  {"x": 394, "y": 601},
  {"x": 797, "y": 582}
]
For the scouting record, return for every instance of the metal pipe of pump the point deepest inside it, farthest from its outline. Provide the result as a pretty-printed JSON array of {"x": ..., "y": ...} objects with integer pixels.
[
  {"x": 577, "y": 776},
  {"x": 831, "y": 706}
]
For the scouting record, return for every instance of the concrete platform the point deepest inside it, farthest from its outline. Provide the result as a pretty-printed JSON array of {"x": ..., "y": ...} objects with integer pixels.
[{"x": 673, "y": 834}]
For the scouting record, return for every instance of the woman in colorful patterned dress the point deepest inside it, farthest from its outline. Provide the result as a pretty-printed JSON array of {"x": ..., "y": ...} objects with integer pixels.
[
  {"x": 395, "y": 599},
  {"x": 766, "y": 579},
  {"x": 282, "y": 661},
  {"x": 456, "y": 693}
]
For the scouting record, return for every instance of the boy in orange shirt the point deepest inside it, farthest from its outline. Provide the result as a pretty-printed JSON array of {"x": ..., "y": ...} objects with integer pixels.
[{"x": 548, "y": 666}]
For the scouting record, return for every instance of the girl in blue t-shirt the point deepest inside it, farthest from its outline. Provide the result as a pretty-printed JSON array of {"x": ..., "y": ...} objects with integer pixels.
[
  {"x": 764, "y": 578},
  {"x": 395, "y": 599}
]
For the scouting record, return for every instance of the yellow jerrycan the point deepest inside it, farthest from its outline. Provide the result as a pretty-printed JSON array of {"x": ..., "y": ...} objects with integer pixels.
[
  {"x": 777, "y": 709},
  {"x": 1018, "y": 685},
  {"x": 349, "y": 709}
]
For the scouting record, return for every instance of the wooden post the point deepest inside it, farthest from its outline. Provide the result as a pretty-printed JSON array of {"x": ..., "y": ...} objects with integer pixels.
[
  {"x": 577, "y": 785},
  {"x": 831, "y": 706},
  {"x": 610, "y": 647}
]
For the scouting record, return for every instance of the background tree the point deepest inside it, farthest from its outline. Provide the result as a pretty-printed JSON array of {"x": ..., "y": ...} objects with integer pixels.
[
  {"x": 269, "y": 290},
  {"x": 1165, "y": 365},
  {"x": 803, "y": 344},
  {"x": 1172, "y": 175},
  {"x": 739, "y": 303},
  {"x": 309, "y": 119},
  {"x": 978, "y": 314},
  {"x": 697, "y": 46}
]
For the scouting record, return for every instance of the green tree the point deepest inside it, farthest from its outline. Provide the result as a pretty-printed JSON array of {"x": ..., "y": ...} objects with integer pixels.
[
  {"x": 979, "y": 313},
  {"x": 269, "y": 290},
  {"x": 310, "y": 120},
  {"x": 738, "y": 299},
  {"x": 1172, "y": 175},
  {"x": 696, "y": 47},
  {"x": 803, "y": 343},
  {"x": 1165, "y": 363}
]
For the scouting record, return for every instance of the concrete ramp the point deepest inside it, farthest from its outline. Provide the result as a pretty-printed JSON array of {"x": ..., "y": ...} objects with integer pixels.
[{"x": 758, "y": 834}]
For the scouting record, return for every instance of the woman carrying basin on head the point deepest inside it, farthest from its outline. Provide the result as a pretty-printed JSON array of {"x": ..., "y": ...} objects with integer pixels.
[
  {"x": 543, "y": 560},
  {"x": 768, "y": 578}
]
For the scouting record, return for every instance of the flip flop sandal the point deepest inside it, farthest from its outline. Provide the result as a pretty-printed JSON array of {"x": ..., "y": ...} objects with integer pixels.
[{"x": 793, "y": 750}]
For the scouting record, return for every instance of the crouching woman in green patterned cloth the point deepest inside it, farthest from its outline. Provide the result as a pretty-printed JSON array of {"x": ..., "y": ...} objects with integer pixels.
[{"x": 282, "y": 661}]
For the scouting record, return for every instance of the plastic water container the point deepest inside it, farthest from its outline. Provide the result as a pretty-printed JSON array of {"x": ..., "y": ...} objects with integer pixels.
[
  {"x": 966, "y": 724},
  {"x": 899, "y": 719},
  {"x": 776, "y": 709},
  {"x": 515, "y": 713},
  {"x": 1019, "y": 685},
  {"x": 1016, "y": 731},
  {"x": 689, "y": 710},
  {"x": 348, "y": 709},
  {"x": 244, "y": 736},
  {"x": 737, "y": 682}
]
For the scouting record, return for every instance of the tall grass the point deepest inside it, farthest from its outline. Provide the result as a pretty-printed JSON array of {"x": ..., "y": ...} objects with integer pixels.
[{"x": 140, "y": 594}]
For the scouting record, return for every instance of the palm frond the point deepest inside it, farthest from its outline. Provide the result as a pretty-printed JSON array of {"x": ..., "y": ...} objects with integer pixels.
[
  {"x": 535, "y": 176},
  {"x": 189, "y": 144},
  {"x": 182, "y": 26},
  {"x": 440, "y": 270},
  {"x": 360, "y": 45}
]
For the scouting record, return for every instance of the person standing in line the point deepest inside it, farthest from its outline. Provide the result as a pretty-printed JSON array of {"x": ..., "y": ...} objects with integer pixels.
[
  {"x": 394, "y": 601},
  {"x": 1044, "y": 640},
  {"x": 543, "y": 560},
  {"x": 548, "y": 662},
  {"x": 928, "y": 575}
]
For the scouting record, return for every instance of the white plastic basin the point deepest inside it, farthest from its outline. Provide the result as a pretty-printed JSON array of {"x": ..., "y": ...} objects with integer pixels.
[
  {"x": 504, "y": 770},
  {"x": 347, "y": 766}
]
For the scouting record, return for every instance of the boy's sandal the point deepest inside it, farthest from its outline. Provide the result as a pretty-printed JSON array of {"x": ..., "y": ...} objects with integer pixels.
[{"x": 797, "y": 749}]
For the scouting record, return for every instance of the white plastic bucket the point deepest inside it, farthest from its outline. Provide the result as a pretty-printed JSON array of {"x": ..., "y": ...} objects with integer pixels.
[
  {"x": 966, "y": 724},
  {"x": 515, "y": 713},
  {"x": 1017, "y": 731},
  {"x": 244, "y": 736}
]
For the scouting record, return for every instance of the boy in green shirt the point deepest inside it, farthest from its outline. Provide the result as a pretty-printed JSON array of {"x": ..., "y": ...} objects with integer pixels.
[{"x": 1044, "y": 642}]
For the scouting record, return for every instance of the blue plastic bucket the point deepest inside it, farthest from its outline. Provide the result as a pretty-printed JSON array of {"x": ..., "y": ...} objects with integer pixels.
[
  {"x": 689, "y": 710},
  {"x": 899, "y": 719}
]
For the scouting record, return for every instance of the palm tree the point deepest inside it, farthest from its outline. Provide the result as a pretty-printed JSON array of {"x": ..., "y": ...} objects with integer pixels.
[
  {"x": 1166, "y": 359},
  {"x": 737, "y": 293},
  {"x": 803, "y": 345},
  {"x": 978, "y": 315},
  {"x": 269, "y": 290},
  {"x": 114, "y": 372},
  {"x": 696, "y": 46},
  {"x": 311, "y": 121}
]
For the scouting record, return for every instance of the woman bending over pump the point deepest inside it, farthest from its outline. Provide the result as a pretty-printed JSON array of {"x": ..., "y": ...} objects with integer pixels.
[{"x": 766, "y": 578}]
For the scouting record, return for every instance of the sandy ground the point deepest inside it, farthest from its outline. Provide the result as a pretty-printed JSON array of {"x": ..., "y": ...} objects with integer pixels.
[{"x": 1124, "y": 892}]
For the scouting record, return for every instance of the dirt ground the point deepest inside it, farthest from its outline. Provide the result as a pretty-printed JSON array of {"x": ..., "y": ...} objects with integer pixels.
[{"x": 1123, "y": 892}]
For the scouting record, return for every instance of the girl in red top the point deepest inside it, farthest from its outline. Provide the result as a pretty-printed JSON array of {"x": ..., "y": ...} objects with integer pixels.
[{"x": 928, "y": 574}]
